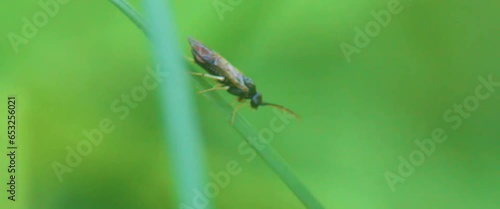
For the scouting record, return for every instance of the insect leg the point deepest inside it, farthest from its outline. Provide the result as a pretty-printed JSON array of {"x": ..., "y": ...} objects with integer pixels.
[
  {"x": 217, "y": 87},
  {"x": 219, "y": 78},
  {"x": 238, "y": 99},
  {"x": 234, "y": 112},
  {"x": 189, "y": 59}
]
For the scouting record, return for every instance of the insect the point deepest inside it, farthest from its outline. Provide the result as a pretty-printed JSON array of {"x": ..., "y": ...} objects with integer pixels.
[{"x": 228, "y": 78}]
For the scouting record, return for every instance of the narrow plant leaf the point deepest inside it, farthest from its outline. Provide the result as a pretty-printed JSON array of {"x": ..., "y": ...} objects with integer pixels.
[{"x": 180, "y": 119}]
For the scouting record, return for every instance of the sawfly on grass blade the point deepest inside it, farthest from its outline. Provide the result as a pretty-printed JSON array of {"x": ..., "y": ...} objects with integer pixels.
[{"x": 228, "y": 78}]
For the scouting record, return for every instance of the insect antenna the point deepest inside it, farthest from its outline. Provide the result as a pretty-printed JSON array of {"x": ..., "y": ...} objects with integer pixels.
[{"x": 279, "y": 107}]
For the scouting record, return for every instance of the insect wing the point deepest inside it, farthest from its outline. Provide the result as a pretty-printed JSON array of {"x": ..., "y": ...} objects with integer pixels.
[
  {"x": 215, "y": 64},
  {"x": 204, "y": 56},
  {"x": 235, "y": 77}
]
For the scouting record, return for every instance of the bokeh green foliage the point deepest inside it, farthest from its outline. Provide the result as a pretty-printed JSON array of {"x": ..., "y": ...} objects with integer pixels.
[{"x": 358, "y": 117}]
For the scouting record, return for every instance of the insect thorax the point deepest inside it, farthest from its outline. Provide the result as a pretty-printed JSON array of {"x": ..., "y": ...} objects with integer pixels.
[{"x": 250, "y": 85}]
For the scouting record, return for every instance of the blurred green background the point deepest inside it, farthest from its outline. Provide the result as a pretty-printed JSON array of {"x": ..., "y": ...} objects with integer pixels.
[{"x": 358, "y": 116}]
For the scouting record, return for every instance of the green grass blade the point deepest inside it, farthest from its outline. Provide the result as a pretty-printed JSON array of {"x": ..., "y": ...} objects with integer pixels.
[
  {"x": 132, "y": 14},
  {"x": 177, "y": 101}
]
